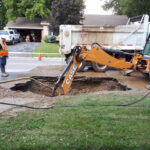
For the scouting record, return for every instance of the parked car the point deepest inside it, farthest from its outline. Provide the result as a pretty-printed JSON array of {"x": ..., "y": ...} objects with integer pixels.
[
  {"x": 52, "y": 39},
  {"x": 11, "y": 36}
]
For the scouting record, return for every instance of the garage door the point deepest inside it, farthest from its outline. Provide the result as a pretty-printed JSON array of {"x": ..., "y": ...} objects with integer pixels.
[{"x": 35, "y": 34}]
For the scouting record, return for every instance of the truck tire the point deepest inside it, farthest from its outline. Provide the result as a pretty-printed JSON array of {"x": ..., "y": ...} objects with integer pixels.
[
  {"x": 12, "y": 42},
  {"x": 19, "y": 40},
  {"x": 99, "y": 68},
  {"x": 81, "y": 67}
]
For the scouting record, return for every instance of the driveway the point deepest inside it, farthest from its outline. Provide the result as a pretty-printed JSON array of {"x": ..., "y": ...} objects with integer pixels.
[{"x": 23, "y": 47}]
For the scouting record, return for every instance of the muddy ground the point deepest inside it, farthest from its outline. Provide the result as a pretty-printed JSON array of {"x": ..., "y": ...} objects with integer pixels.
[{"x": 34, "y": 93}]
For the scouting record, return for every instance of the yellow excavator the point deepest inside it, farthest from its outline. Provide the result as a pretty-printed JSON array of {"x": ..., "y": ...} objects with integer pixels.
[{"x": 98, "y": 54}]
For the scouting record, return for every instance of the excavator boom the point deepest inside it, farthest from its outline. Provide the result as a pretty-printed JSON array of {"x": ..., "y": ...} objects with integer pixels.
[{"x": 98, "y": 55}]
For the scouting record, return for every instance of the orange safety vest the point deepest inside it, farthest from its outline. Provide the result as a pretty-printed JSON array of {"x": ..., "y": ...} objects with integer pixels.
[{"x": 4, "y": 50}]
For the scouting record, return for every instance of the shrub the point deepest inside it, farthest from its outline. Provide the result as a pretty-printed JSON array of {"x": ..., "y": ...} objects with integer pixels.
[{"x": 45, "y": 39}]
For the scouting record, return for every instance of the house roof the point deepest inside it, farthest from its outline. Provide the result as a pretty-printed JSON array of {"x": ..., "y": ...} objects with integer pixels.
[
  {"x": 111, "y": 20},
  {"x": 23, "y": 23},
  {"x": 38, "y": 23}
]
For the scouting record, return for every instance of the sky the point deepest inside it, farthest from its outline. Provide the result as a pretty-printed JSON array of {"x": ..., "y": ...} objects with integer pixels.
[{"x": 95, "y": 7}]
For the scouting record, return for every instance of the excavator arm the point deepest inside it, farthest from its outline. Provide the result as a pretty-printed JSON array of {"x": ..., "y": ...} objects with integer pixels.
[
  {"x": 64, "y": 81},
  {"x": 98, "y": 55}
]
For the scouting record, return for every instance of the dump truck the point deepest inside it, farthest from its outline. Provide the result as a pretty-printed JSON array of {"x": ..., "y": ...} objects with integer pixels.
[{"x": 129, "y": 38}]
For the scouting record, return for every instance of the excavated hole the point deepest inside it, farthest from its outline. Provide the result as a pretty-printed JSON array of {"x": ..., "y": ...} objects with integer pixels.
[{"x": 44, "y": 85}]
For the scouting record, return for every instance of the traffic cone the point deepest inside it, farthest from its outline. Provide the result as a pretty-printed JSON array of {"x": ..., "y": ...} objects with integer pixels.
[{"x": 40, "y": 57}]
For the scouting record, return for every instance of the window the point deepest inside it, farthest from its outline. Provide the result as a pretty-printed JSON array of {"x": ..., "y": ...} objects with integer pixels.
[
  {"x": 11, "y": 32},
  {"x": 2, "y": 32},
  {"x": 147, "y": 49}
]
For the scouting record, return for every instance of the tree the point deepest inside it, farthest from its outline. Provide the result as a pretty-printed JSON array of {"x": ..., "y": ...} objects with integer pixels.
[
  {"x": 3, "y": 19},
  {"x": 66, "y": 12},
  {"x": 128, "y": 7},
  {"x": 27, "y": 8}
]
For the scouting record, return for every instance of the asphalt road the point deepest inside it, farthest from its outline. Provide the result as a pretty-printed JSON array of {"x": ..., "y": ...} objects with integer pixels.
[
  {"x": 17, "y": 65},
  {"x": 25, "y": 64},
  {"x": 21, "y": 65}
]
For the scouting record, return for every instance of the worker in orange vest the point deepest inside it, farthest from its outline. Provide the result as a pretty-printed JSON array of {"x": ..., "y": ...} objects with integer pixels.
[{"x": 3, "y": 56}]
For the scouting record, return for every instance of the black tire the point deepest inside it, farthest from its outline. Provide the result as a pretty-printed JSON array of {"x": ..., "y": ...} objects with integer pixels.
[
  {"x": 99, "y": 68},
  {"x": 81, "y": 67},
  {"x": 12, "y": 42},
  {"x": 146, "y": 75},
  {"x": 19, "y": 40}
]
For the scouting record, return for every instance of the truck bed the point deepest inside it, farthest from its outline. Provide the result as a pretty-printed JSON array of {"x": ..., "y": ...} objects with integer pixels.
[{"x": 123, "y": 37}]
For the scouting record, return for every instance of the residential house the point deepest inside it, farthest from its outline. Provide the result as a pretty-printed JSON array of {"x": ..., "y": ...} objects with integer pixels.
[
  {"x": 37, "y": 28},
  {"x": 40, "y": 27}
]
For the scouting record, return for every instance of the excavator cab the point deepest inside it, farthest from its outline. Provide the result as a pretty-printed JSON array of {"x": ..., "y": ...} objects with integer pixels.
[
  {"x": 147, "y": 50},
  {"x": 146, "y": 53}
]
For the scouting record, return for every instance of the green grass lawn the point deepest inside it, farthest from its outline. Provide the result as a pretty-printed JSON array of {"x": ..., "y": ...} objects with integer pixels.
[
  {"x": 81, "y": 127},
  {"x": 48, "y": 48}
]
